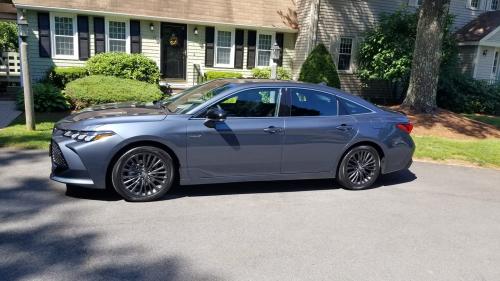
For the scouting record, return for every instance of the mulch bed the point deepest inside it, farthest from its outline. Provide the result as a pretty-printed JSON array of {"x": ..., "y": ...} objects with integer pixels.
[{"x": 444, "y": 123}]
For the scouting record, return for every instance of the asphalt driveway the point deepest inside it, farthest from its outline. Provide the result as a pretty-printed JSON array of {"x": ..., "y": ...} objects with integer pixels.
[{"x": 434, "y": 222}]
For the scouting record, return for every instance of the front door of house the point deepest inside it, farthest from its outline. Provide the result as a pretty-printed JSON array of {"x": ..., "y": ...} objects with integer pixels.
[{"x": 173, "y": 44}]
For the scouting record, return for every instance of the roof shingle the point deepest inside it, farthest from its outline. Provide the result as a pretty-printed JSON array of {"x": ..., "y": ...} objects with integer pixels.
[
  {"x": 258, "y": 13},
  {"x": 479, "y": 27}
]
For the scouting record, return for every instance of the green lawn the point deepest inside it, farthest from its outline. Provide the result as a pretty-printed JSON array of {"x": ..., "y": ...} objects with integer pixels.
[
  {"x": 480, "y": 152},
  {"x": 17, "y": 136},
  {"x": 492, "y": 120}
]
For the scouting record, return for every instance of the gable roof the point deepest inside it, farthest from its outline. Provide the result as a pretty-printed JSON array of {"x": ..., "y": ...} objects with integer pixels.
[
  {"x": 254, "y": 13},
  {"x": 479, "y": 27}
]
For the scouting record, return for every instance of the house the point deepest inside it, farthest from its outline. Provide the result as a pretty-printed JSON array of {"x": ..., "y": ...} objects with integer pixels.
[
  {"x": 183, "y": 37},
  {"x": 178, "y": 35},
  {"x": 341, "y": 25},
  {"x": 479, "y": 43}
]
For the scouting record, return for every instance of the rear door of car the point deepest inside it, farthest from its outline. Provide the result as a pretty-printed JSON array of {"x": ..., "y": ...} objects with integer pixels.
[{"x": 315, "y": 134}]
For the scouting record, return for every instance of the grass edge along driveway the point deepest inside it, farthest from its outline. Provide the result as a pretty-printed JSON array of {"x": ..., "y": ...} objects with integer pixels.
[{"x": 484, "y": 153}]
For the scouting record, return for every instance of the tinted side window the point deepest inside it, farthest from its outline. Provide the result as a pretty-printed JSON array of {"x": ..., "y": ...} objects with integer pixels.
[
  {"x": 307, "y": 102},
  {"x": 251, "y": 103},
  {"x": 350, "y": 108}
]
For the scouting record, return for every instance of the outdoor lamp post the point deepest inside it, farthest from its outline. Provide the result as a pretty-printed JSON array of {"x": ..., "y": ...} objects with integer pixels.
[
  {"x": 275, "y": 56},
  {"x": 22, "y": 24}
]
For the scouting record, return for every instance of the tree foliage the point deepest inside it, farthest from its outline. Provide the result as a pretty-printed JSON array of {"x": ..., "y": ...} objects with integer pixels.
[
  {"x": 8, "y": 36},
  {"x": 387, "y": 51},
  {"x": 320, "y": 68}
]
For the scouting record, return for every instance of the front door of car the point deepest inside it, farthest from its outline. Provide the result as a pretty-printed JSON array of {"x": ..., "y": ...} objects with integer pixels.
[
  {"x": 315, "y": 133},
  {"x": 248, "y": 142}
]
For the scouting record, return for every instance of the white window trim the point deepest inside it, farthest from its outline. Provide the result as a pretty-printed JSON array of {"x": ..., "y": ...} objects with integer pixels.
[
  {"x": 490, "y": 4},
  {"x": 273, "y": 40},
  {"x": 231, "y": 56},
  {"x": 350, "y": 70},
  {"x": 413, "y": 3},
  {"x": 497, "y": 61},
  {"x": 127, "y": 32},
  {"x": 479, "y": 5},
  {"x": 53, "y": 36}
]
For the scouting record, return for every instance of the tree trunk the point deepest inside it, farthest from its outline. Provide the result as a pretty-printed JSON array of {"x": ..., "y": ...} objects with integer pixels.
[{"x": 421, "y": 95}]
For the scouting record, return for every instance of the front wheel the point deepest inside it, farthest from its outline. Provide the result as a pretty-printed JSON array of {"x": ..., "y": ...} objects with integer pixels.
[
  {"x": 359, "y": 168},
  {"x": 143, "y": 174}
]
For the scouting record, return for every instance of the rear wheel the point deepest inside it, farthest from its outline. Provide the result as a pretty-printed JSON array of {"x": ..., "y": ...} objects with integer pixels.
[
  {"x": 143, "y": 173},
  {"x": 359, "y": 168}
]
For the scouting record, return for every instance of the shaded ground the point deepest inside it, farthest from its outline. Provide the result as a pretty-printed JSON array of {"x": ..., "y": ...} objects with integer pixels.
[
  {"x": 444, "y": 123},
  {"x": 433, "y": 222}
]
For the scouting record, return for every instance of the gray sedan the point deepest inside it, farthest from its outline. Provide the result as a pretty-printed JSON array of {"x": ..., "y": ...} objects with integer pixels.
[{"x": 230, "y": 131}]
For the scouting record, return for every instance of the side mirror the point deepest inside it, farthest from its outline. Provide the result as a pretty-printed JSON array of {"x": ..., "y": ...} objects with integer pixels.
[{"x": 214, "y": 115}]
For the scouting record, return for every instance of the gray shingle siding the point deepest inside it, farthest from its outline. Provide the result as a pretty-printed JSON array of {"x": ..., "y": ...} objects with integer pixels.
[{"x": 467, "y": 57}]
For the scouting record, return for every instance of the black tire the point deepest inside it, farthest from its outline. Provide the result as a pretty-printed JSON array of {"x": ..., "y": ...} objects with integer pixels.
[
  {"x": 360, "y": 168},
  {"x": 143, "y": 174}
]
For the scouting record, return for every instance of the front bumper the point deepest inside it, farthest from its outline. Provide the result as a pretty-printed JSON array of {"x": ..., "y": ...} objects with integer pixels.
[{"x": 80, "y": 163}]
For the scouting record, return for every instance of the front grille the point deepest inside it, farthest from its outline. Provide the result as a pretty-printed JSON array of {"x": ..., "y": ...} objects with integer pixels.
[{"x": 57, "y": 156}]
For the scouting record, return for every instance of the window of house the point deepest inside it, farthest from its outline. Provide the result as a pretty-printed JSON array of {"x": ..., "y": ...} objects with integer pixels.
[
  {"x": 307, "y": 102},
  {"x": 494, "y": 5},
  {"x": 117, "y": 36},
  {"x": 224, "y": 48},
  {"x": 264, "y": 44},
  {"x": 345, "y": 54},
  {"x": 475, "y": 4},
  {"x": 64, "y": 36},
  {"x": 251, "y": 103},
  {"x": 495, "y": 64}
]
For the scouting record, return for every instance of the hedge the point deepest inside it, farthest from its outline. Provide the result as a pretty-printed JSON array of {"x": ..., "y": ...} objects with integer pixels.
[
  {"x": 265, "y": 73},
  {"x": 46, "y": 98},
  {"x": 97, "y": 89},
  {"x": 60, "y": 76},
  {"x": 211, "y": 75},
  {"x": 320, "y": 68},
  {"x": 128, "y": 66}
]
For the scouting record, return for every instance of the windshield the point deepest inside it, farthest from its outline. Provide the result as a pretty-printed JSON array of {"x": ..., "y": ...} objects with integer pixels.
[{"x": 194, "y": 96}]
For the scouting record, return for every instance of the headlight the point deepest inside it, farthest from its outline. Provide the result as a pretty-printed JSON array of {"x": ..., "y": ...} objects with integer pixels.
[{"x": 87, "y": 136}]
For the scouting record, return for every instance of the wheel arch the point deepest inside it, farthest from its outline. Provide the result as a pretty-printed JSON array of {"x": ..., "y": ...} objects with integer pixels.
[
  {"x": 131, "y": 145},
  {"x": 373, "y": 144}
]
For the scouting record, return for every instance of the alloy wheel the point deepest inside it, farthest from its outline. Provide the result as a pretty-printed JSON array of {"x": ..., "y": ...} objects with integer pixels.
[
  {"x": 361, "y": 167},
  {"x": 144, "y": 174}
]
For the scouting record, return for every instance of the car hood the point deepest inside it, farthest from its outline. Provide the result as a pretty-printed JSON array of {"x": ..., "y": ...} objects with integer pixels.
[{"x": 115, "y": 113}]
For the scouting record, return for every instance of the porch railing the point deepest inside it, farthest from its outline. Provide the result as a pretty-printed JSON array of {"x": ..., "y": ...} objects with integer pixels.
[
  {"x": 10, "y": 68},
  {"x": 198, "y": 74}
]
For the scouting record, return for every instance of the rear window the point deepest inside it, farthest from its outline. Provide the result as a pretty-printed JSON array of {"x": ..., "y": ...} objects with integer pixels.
[{"x": 351, "y": 108}]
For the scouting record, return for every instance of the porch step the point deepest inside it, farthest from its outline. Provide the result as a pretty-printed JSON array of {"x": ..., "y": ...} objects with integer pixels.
[{"x": 176, "y": 86}]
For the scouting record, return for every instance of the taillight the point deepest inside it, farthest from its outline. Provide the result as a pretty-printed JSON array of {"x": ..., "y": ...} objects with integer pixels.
[{"x": 406, "y": 127}]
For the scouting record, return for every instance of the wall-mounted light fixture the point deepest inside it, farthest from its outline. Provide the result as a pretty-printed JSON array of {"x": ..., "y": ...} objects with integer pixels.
[
  {"x": 485, "y": 53},
  {"x": 195, "y": 31},
  {"x": 152, "y": 27}
]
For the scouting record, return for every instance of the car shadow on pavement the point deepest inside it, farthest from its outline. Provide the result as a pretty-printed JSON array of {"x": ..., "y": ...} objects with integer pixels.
[
  {"x": 177, "y": 192},
  {"x": 396, "y": 178}
]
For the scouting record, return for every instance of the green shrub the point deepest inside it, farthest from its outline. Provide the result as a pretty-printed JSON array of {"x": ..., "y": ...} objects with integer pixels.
[
  {"x": 46, "y": 98},
  {"x": 211, "y": 75},
  {"x": 319, "y": 67},
  {"x": 8, "y": 36},
  {"x": 122, "y": 65},
  {"x": 97, "y": 89},
  {"x": 265, "y": 73},
  {"x": 460, "y": 93},
  {"x": 60, "y": 76}
]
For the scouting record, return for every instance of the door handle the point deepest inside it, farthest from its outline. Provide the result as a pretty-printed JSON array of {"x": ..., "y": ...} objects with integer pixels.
[
  {"x": 344, "y": 127},
  {"x": 273, "y": 130}
]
